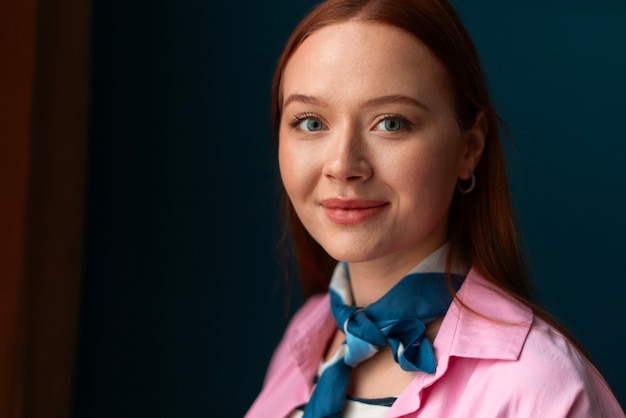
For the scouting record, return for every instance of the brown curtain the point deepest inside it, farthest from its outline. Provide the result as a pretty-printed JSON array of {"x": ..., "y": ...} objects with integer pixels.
[{"x": 44, "y": 85}]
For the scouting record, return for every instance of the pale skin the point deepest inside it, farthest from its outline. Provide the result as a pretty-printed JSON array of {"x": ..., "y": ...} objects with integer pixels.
[{"x": 368, "y": 117}]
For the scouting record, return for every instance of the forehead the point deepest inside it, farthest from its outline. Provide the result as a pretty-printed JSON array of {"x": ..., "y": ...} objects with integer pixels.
[{"x": 357, "y": 57}]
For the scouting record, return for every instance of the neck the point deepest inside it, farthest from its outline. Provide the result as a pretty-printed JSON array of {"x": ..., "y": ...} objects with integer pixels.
[{"x": 370, "y": 280}]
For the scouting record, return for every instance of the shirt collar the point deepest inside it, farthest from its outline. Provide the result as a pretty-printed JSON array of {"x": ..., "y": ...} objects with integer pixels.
[{"x": 482, "y": 323}]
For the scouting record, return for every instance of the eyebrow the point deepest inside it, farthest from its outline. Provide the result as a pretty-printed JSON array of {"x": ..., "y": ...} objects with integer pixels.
[
  {"x": 374, "y": 102},
  {"x": 312, "y": 100},
  {"x": 394, "y": 98}
]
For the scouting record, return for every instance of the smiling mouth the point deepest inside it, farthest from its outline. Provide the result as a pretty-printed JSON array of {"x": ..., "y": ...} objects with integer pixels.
[{"x": 352, "y": 211}]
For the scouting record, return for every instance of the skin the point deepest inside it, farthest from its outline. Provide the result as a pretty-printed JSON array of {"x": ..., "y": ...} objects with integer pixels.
[{"x": 368, "y": 114}]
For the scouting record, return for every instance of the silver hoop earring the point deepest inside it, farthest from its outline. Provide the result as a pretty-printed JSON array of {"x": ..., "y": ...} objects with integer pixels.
[{"x": 470, "y": 188}]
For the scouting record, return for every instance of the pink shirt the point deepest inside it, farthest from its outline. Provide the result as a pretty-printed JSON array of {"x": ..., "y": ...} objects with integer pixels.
[{"x": 511, "y": 365}]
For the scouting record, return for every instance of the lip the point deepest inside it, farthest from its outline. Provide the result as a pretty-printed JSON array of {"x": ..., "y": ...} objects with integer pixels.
[{"x": 352, "y": 211}]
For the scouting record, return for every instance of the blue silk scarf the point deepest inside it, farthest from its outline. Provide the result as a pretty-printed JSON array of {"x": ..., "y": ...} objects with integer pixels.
[{"x": 398, "y": 319}]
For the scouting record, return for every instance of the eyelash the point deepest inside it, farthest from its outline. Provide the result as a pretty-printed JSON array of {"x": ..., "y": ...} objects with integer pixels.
[{"x": 297, "y": 119}]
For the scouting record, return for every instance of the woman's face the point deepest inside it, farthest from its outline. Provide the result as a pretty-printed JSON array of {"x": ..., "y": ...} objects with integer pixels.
[{"x": 369, "y": 147}]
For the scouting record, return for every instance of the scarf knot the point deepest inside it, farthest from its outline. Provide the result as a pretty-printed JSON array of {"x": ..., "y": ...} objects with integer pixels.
[{"x": 386, "y": 322}]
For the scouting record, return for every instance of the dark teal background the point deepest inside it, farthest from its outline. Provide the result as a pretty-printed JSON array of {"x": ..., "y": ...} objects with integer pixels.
[{"x": 183, "y": 298}]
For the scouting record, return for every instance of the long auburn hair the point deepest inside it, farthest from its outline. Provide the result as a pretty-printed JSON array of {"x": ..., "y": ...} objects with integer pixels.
[{"x": 481, "y": 225}]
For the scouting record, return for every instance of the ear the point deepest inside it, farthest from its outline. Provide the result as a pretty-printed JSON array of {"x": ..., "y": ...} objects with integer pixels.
[{"x": 473, "y": 146}]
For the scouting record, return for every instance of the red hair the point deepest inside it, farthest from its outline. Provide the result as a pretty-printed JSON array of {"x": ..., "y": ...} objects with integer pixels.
[{"x": 481, "y": 224}]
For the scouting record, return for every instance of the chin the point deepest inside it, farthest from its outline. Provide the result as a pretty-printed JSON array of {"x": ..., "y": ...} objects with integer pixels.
[{"x": 352, "y": 256}]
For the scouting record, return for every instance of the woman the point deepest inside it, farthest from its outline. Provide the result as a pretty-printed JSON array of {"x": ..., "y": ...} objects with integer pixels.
[{"x": 390, "y": 158}]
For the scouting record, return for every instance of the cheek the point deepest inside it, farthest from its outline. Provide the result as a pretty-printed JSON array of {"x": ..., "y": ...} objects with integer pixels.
[
  {"x": 424, "y": 165},
  {"x": 427, "y": 177},
  {"x": 295, "y": 170},
  {"x": 285, "y": 167}
]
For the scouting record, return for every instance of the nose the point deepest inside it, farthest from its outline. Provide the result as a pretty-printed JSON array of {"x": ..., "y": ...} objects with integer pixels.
[{"x": 347, "y": 157}]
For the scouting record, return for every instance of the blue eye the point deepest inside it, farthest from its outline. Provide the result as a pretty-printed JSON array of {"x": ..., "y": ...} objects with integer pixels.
[
  {"x": 311, "y": 125},
  {"x": 391, "y": 125},
  {"x": 307, "y": 122}
]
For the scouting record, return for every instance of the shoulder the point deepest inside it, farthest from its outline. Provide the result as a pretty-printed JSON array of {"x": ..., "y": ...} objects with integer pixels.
[
  {"x": 303, "y": 339},
  {"x": 310, "y": 320},
  {"x": 549, "y": 368},
  {"x": 547, "y": 349},
  {"x": 523, "y": 365},
  {"x": 295, "y": 360},
  {"x": 311, "y": 315},
  {"x": 550, "y": 377}
]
